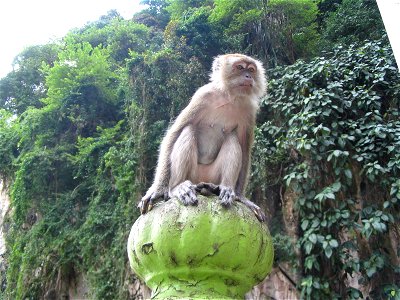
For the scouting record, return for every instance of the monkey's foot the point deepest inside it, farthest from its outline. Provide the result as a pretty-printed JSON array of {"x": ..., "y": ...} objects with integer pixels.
[
  {"x": 148, "y": 200},
  {"x": 226, "y": 194},
  {"x": 186, "y": 193},
  {"x": 255, "y": 208}
]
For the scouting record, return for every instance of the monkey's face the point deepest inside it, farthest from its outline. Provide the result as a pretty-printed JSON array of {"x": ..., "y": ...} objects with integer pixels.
[
  {"x": 239, "y": 74},
  {"x": 243, "y": 76}
]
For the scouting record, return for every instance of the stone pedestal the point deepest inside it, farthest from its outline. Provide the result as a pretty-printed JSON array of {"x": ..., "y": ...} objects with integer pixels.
[{"x": 200, "y": 252}]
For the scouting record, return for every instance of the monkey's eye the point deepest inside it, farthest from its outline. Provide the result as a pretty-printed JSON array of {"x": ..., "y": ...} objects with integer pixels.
[
  {"x": 239, "y": 67},
  {"x": 252, "y": 70}
]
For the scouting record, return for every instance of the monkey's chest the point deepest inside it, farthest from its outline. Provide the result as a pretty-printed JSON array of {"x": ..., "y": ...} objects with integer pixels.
[{"x": 210, "y": 138}]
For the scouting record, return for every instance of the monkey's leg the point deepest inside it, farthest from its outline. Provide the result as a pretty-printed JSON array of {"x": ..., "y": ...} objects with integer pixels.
[
  {"x": 226, "y": 167},
  {"x": 184, "y": 167}
]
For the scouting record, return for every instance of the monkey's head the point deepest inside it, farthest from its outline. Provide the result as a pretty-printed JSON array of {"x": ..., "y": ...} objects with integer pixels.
[{"x": 239, "y": 74}]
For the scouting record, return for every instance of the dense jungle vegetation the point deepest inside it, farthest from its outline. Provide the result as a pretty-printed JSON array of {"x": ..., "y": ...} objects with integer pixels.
[{"x": 81, "y": 120}]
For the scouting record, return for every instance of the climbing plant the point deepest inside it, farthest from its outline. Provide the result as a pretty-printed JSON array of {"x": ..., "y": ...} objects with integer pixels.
[{"x": 337, "y": 118}]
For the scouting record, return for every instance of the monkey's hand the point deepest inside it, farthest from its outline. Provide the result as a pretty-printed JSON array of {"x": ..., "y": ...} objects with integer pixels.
[
  {"x": 153, "y": 194},
  {"x": 185, "y": 192},
  {"x": 225, "y": 193},
  {"x": 255, "y": 208}
]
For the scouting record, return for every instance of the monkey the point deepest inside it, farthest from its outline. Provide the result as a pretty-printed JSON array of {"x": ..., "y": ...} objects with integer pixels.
[{"x": 207, "y": 150}]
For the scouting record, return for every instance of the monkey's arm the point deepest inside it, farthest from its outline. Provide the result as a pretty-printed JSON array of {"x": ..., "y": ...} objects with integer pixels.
[{"x": 160, "y": 186}]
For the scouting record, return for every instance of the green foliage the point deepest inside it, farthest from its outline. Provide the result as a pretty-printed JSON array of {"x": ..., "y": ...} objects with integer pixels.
[
  {"x": 61, "y": 149},
  {"x": 239, "y": 22},
  {"x": 110, "y": 210},
  {"x": 325, "y": 8},
  {"x": 9, "y": 130},
  {"x": 39, "y": 255},
  {"x": 238, "y": 13},
  {"x": 78, "y": 64},
  {"x": 23, "y": 87},
  {"x": 284, "y": 249},
  {"x": 71, "y": 223},
  {"x": 155, "y": 16},
  {"x": 298, "y": 28},
  {"x": 338, "y": 116},
  {"x": 279, "y": 31},
  {"x": 179, "y": 7},
  {"x": 200, "y": 34},
  {"x": 117, "y": 35},
  {"x": 353, "y": 21}
]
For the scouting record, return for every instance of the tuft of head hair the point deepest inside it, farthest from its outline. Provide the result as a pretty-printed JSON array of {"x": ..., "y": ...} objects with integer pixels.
[{"x": 222, "y": 70}]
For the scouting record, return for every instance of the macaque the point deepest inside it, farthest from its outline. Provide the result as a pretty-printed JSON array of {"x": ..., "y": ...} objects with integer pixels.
[{"x": 207, "y": 148}]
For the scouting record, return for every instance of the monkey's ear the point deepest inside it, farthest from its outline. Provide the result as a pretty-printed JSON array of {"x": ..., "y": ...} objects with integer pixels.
[{"x": 216, "y": 66}]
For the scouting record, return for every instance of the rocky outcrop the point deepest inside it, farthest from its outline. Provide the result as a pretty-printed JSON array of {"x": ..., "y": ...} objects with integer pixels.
[
  {"x": 278, "y": 285},
  {"x": 4, "y": 208}
]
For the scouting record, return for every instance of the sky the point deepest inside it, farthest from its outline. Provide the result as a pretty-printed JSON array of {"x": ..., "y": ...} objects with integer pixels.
[
  {"x": 34, "y": 22},
  {"x": 390, "y": 11}
]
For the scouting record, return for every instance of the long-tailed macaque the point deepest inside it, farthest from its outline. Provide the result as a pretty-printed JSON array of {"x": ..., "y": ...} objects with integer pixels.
[{"x": 207, "y": 149}]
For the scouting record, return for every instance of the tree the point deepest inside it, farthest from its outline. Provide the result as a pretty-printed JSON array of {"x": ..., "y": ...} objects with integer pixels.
[
  {"x": 278, "y": 31},
  {"x": 155, "y": 16},
  {"x": 177, "y": 8},
  {"x": 24, "y": 87},
  {"x": 9, "y": 138},
  {"x": 353, "y": 21},
  {"x": 47, "y": 198},
  {"x": 119, "y": 36},
  {"x": 200, "y": 37}
]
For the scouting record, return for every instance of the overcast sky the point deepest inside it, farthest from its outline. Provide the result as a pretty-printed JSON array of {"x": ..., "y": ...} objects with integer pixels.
[{"x": 31, "y": 22}]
